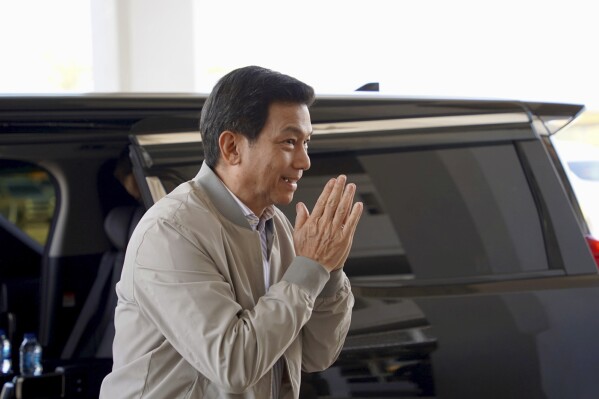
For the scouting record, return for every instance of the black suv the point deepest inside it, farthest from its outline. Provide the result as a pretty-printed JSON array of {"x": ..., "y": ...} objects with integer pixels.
[{"x": 472, "y": 266}]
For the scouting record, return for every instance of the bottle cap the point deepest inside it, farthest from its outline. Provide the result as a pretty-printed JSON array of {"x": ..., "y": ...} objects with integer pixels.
[{"x": 29, "y": 336}]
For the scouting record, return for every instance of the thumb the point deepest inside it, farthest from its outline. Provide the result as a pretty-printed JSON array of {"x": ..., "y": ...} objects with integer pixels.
[{"x": 301, "y": 216}]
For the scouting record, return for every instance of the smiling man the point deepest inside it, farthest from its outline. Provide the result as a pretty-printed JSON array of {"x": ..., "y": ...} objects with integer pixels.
[{"x": 220, "y": 297}]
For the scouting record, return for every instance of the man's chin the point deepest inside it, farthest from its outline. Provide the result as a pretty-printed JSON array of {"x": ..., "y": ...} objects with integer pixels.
[{"x": 284, "y": 200}]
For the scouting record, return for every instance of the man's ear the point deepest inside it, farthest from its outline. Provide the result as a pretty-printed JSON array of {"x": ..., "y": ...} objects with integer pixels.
[{"x": 229, "y": 144}]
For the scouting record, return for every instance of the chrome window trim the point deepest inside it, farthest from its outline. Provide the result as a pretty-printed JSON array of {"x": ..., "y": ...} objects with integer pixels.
[
  {"x": 168, "y": 138},
  {"x": 156, "y": 188},
  {"x": 363, "y": 126},
  {"x": 419, "y": 123}
]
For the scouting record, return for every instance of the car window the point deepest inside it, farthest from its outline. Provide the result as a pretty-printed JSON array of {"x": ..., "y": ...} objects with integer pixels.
[
  {"x": 437, "y": 214},
  {"x": 27, "y": 199},
  {"x": 430, "y": 214}
]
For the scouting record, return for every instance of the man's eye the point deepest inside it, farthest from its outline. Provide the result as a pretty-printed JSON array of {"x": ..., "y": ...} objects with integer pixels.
[{"x": 290, "y": 141}]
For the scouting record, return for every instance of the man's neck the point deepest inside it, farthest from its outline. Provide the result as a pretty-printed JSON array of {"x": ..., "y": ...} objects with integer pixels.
[{"x": 228, "y": 179}]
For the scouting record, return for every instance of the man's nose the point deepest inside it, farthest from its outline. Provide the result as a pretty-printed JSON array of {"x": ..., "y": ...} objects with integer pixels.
[{"x": 302, "y": 159}]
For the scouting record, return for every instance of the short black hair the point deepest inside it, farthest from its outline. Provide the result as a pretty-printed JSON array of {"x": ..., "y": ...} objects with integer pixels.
[{"x": 239, "y": 103}]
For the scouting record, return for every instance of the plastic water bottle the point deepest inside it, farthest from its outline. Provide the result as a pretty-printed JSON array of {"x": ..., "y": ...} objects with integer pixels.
[
  {"x": 5, "y": 353},
  {"x": 30, "y": 359}
]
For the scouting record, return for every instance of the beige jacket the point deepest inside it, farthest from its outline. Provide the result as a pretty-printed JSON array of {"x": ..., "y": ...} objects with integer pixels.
[{"x": 193, "y": 319}]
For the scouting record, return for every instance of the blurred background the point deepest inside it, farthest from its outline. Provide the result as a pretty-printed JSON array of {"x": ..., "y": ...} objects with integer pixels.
[
  {"x": 526, "y": 50},
  {"x": 523, "y": 50}
]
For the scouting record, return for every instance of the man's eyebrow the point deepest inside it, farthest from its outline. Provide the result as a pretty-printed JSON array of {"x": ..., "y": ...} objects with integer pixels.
[{"x": 297, "y": 131}]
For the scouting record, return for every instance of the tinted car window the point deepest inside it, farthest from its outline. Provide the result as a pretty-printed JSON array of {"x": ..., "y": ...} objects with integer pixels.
[{"x": 439, "y": 213}]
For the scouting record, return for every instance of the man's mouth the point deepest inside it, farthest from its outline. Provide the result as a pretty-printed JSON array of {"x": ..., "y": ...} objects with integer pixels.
[{"x": 291, "y": 180}]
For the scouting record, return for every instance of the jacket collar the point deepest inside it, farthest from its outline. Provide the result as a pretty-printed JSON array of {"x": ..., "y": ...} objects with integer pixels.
[{"x": 220, "y": 196}]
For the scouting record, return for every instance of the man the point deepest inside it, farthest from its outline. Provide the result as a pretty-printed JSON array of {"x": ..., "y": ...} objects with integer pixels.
[{"x": 219, "y": 296}]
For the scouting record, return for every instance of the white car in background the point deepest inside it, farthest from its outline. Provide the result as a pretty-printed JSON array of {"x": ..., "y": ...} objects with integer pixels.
[{"x": 581, "y": 162}]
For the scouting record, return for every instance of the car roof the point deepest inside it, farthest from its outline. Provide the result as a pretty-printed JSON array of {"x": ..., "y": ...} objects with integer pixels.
[{"x": 119, "y": 114}]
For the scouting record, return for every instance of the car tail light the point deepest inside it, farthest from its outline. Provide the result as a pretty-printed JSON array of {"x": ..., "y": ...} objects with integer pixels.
[{"x": 594, "y": 245}]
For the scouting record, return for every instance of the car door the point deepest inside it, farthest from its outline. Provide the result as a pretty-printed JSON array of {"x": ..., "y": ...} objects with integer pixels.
[{"x": 28, "y": 195}]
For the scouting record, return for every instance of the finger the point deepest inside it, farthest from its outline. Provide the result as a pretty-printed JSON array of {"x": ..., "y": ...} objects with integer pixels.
[
  {"x": 318, "y": 209},
  {"x": 301, "y": 215},
  {"x": 333, "y": 200},
  {"x": 344, "y": 206},
  {"x": 353, "y": 219}
]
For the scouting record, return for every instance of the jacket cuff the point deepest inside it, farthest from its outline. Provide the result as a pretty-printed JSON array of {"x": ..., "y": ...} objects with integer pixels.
[
  {"x": 308, "y": 274},
  {"x": 334, "y": 284}
]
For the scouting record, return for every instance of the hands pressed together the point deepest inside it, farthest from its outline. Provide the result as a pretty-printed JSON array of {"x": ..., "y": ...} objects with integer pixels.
[{"x": 327, "y": 233}]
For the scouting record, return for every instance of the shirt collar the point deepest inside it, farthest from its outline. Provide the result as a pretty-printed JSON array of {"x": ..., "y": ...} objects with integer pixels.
[
  {"x": 224, "y": 200},
  {"x": 252, "y": 218}
]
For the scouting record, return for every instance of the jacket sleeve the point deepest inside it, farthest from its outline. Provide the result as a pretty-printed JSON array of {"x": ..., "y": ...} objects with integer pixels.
[
  {"x": 178, "y": 286},
  {"x": 324, "y": 334}
]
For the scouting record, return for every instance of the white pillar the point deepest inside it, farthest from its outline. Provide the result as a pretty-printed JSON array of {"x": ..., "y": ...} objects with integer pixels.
[{"x": 143, "y": 45}]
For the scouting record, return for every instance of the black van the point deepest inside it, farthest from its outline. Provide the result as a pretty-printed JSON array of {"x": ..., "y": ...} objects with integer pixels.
[{"x": 474, "y": 272}]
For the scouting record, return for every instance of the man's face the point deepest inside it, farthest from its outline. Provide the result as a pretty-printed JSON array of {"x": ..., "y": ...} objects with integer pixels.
[{"x": 273, "y": 164}]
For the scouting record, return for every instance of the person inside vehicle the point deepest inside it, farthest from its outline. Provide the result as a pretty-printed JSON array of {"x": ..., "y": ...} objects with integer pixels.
[
  {"x": 220, "y": 295},
  {"x": 123, "y": 172}
]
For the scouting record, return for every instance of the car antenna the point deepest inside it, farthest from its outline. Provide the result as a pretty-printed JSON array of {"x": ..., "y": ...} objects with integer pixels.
[{"x": 372, "y": 86}]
